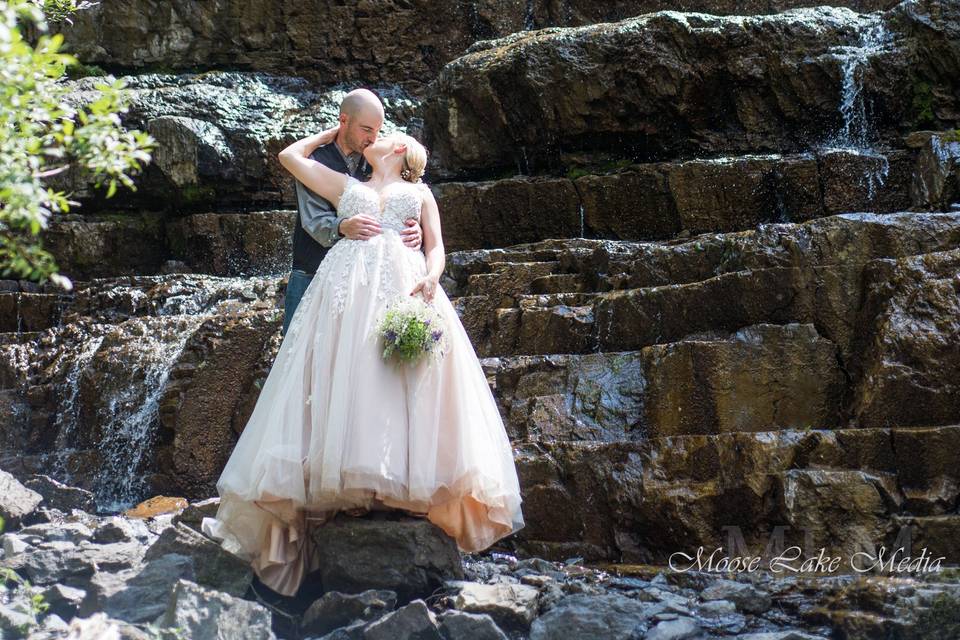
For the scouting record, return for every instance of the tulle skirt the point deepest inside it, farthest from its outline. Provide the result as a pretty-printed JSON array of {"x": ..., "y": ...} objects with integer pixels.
[{"x": 336, "y": 427}]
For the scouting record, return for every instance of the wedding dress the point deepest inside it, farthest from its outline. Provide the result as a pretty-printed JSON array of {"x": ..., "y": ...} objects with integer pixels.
[{"x": 336, "y": 427}]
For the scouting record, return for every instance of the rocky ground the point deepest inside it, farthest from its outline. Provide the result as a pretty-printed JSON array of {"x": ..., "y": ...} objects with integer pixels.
[
  {"x": 710, "y": 262},
  {"x": 149, "y": 573}
]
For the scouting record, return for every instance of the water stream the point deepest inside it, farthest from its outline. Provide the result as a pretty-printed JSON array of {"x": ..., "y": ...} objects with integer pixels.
[
  {"x": 856, "y": 134},
  {"x": 109, "y": 373}
]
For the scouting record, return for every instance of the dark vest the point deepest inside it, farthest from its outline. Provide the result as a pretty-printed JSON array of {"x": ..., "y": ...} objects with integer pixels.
[{"x": 307, "y": 252}]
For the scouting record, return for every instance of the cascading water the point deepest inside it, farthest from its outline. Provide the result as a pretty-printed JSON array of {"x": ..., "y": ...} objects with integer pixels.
[
  {"x": 67, "y": 414},
  {"x": 855, "y": 134},
  {"x": 130, "y": 418},
  {"x": 109, "y": 373}
]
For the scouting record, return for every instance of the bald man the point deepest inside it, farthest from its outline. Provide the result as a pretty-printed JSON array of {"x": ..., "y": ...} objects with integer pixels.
[{"x": 317, "y": 228}]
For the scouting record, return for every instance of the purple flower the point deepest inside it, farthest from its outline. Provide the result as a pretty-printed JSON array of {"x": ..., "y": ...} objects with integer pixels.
[
  {"x": 390, "y": 335},
  {"x": 436, "y": 335}
]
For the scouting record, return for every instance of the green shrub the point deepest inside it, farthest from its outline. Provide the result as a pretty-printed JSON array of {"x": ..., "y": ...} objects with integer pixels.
[{"x": 42, "y": 135}]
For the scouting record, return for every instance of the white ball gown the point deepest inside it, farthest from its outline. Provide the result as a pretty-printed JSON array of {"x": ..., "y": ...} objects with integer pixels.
[{"x": 337, "y": 427}]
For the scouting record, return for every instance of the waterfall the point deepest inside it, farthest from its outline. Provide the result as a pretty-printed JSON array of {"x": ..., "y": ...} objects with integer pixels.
[
  {"x": 115, "y": 367},
  {"x": 874, "y": 39},
  {"x": 130, "y": 418},
  {"x": 67, "y": 411},
  {"x": 855, "y": 134}
]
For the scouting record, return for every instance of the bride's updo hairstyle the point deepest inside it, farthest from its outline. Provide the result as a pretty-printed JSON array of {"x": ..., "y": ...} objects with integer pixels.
[{"x": 414, "y": 160}]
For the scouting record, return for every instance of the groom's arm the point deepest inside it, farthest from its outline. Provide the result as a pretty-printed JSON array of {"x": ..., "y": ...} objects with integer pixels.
[
  {"x": 317, "y": 216},
  {"x": 317, "y": 219}
]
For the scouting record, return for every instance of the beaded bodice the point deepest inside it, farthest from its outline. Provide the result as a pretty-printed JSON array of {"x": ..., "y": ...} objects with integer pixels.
[{"x": 391, "y": 206}]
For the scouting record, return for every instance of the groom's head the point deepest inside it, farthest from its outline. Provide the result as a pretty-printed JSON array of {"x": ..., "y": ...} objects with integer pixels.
[{"x": 361, "y": 116}]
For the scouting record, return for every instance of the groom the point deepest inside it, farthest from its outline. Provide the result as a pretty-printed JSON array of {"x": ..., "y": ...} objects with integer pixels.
[{"x": 317, "y": 228}]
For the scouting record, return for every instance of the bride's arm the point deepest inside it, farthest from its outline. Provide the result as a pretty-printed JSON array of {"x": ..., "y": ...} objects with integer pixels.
[
  {"x": 432, "y": 246},
  {"x": 318, "y": 177}
]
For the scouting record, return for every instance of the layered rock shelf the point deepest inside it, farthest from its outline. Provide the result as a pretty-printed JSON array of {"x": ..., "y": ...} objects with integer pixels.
[
  {"x": 334, "y": 42},
  {"x": 708, "y": 254},
  {"x": 668, "y": 85}
]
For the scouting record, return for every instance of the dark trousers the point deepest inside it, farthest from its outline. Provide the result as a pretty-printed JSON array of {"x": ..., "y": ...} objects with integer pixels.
[{"x": 296, "y": 285}]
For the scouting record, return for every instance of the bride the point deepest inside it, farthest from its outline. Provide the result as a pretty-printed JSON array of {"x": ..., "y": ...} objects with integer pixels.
[{"x": 338, "y": 428}]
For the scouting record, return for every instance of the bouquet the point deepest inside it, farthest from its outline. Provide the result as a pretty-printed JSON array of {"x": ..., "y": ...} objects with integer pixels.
[{"x": 411, "y": 329}]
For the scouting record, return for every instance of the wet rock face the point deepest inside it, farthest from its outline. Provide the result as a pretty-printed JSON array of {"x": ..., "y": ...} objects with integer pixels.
[
  {"x": 588, "y": 296},
  {"x": 332, "y": 42},
  {"x": 640, "y": 202},
  {"x": 218, "y": 135},
  {"x": 698, "y": 385},
  {"x": 234, "y": 243},
  {"x": 640, "y": 502},
  {"x": 912, "y": 364},
  {"x": 659, "y": 200},
  {"x": 481, "y": 215},
  {"x": 118, "y": 386},
  {"x": 667, "y": 85},
  {"x": 714, "y": 309},
  {"x": 213, "y": 391},
  {"x": 936, "y": 181},
  {"x": 782, "y": 327},
  {"x": 98, "y": 246},
  {"x": 709, "y": 387}
]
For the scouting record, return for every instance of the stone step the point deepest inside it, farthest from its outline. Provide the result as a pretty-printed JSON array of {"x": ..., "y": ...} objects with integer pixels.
[
  {"x": 848, "y": 238},
  {"x": 29, "y": 312},
  {"x": 569, "y": 266},
  {"x": 633, "y": 318},
  {"x": 654, "y": 201},
  {"x": 939, "y": 534},
  {"x": 658, "y": 200},
  {"x": 759, "y": 378},
  {"x": 115, "y": 300},
  {"x": 642, "y": 501}
]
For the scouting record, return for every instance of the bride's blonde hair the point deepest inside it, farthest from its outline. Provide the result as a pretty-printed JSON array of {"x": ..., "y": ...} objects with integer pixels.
[{"x": 414, "y": 160}]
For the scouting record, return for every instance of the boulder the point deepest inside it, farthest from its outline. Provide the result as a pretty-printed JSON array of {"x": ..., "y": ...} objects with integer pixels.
[
  {"x": 607, "y": 617},
  {"x": 512, "y": 606},
  {"x": 206, "y": 614},
  {"x": 17, "y": 502},
  {"x": 385, "y": 551},
  {"x": 335, "y": 610},
  {"x": 213, "y": 567}
]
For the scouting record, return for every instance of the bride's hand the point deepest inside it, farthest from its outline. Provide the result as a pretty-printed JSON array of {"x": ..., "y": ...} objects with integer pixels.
[
  {"x": 329, "y": 135},
  {"x": 426, "y": 287}
]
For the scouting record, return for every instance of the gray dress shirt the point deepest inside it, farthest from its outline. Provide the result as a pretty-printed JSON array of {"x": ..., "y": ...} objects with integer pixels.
[{"x": 317, "y": 215}]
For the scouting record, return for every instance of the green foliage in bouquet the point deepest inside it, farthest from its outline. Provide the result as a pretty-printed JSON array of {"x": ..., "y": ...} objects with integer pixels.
[{"x": 410, "y": 329}]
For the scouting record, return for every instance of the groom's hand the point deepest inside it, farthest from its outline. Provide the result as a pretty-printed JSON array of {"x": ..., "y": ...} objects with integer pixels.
[
  {"x": 412, "y": 236},
  {"x": 359, "y": 227}
]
